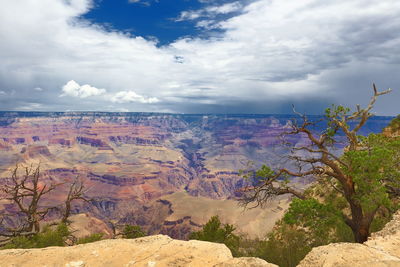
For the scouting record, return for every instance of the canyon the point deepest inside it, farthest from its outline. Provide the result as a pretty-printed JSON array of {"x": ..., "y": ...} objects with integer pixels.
[{"x": 168, "y": 173}]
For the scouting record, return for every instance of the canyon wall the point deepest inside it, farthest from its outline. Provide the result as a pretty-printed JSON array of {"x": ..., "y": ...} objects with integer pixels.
[{"x": 139, "y": 166}]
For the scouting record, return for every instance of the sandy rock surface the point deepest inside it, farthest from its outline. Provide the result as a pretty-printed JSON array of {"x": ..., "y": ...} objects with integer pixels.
[
  {"x": 246, "y": 262},
  {"x": 381, "y": 250},
  {"x": 151, "y": 251},
  {"x": 347, "y": 254},
  {"x": 388, "y": 239}
]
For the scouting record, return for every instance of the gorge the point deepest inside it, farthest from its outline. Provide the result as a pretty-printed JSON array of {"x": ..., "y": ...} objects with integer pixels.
[{"x": 168, "y": 173}]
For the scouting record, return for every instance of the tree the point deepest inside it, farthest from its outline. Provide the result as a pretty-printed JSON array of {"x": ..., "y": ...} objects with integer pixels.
[
  {"x": 362, "y": 177},
  {"x": 215, "y": 231},
  {"x": 25, "y": 194},
  {"x": 76, "y": 192}
]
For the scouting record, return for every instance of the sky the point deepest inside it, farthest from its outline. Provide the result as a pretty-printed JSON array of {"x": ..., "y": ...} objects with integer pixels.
[{"x": 198, "y": 56}]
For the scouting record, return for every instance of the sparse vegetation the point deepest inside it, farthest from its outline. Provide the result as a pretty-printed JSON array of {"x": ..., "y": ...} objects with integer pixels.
[
  {"x": 132, "y": 231},
  {"x": 21, "y": 223},
  {"x": 49, "y": 236},
  {"x": 215, "y": 231},
  {"x": 90, "y": 238},
  {"x": 395, "y": 124}
]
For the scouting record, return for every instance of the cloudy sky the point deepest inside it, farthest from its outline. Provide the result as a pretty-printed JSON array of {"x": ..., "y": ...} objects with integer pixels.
[{"x": 198, "y": 56}]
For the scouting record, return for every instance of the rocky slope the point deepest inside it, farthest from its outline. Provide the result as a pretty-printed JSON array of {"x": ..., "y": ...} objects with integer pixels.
[
  {"x": 149, "y": 251},
  {"x": 133, "y": 162}
]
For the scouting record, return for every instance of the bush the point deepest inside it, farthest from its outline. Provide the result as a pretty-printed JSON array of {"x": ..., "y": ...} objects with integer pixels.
[
  {"x": 90, "y": 238},
  {"x": 49, "y": 237},
  {"x": 215, "y": 231},
  {"x": 132, "y": 231}
]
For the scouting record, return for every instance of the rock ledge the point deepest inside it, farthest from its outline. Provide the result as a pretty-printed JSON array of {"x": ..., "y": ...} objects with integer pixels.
[
  {"x": 381, "y": 250},
  {"x": 151, "y": 251}
]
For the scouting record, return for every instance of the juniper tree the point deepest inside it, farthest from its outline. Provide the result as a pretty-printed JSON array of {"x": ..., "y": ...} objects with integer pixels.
[{"x": 365, "y": 177}]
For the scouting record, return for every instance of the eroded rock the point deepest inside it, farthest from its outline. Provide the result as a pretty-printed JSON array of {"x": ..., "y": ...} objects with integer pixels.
[
  {"x": 382, "y": 249},
  {"x": 348, "y": 254},
  {"x": 151, "y": 251}
]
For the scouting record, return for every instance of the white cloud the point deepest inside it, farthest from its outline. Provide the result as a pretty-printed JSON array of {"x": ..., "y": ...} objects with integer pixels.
[
  {"x": 142, "y": 2},
  {"x": 30, "y": 106},
  {"x": 131, "y": 96},
  {"x": 272, "y": 51},
  {"x": 210, "y": 11},
  {"x": 72, "y": 88},
  {"x": 225, "y": 8}
]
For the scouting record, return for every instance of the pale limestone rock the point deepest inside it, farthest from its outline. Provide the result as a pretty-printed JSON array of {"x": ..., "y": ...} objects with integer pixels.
[
  {"x": 388, "y": 239},
  {"x": 75, "y": 264},
  {"x": 151, "y": 251},
  {"x": 381, "y": 250},
  {"x": 349, "y": 255},
  {"x": 246, "y": 262}
]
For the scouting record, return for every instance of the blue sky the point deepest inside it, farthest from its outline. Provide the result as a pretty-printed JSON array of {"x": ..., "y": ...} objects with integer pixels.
[
  {"x": 160, "y": 20},
  {"x": 152, "y": 19},
  {"x": 198, "y": 56}
]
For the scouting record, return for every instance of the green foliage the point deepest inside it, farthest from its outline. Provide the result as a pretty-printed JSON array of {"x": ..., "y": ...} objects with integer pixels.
[
  {"x": 319, "y": 219},
  {"x": 215, "y": 231},
  {"x": 335, "y": 113},
  {"x": 90, "y": 238},
  {"x": 323, "y": 223},
  {"x": 132, "y": 231},
  {"x": 48, "y": 237},
  {"x": 374, "y": 167},
  {"x": 395, "y": 124},
  {"x": 286, "y": 246}
]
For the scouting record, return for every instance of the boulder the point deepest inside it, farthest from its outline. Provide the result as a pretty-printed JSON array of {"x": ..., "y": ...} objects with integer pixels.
[
  {"x": 349, "y": 255},
  {"x": 151, "y": 251},
  {"x": 381, "y": 249},
  {"x": 388, "y": 239}
]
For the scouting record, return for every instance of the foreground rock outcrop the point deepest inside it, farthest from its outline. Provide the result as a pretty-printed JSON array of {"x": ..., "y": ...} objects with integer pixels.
[
  {"x": 151, "y": 251},
  {"x": 381, "y": 250}
]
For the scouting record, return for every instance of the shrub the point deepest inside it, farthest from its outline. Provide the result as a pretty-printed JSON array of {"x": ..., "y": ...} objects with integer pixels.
[
  {"x": 215, "y": 231},
  {"x": 47, "y": 238},
  {"x": 132, "y": 231},
  {"x": 90, "y": 238}
]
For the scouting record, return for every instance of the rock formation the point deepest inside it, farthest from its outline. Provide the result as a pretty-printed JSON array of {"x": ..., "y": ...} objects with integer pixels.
[
  {"x": 132, "y": 160},
  {"x": 151, "y": 251},
  {"x": 381, "y": 250}
]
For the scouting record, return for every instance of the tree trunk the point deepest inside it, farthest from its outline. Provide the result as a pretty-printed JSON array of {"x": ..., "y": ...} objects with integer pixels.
[
  {"x": 359, "y": 222},
  {"x": 67, "y": 211},
  {"x": 361, "y": 233}
]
